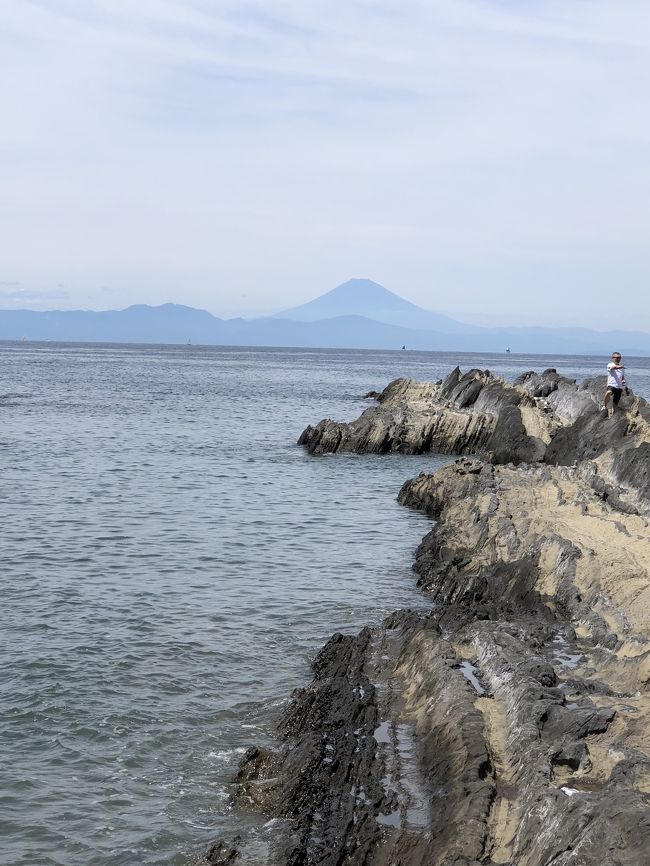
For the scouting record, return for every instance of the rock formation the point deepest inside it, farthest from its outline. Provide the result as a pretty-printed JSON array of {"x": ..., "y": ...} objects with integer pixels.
[
  {"x": 510, "y": 724},
  {"x": 541, "y": 418}
]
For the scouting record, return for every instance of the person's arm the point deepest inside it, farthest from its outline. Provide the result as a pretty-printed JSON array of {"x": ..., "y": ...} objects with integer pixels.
[{"x": 612, "y": 366}]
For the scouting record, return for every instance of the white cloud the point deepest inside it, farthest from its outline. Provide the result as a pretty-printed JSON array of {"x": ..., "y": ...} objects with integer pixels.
[
  {"x": 15, "y": 296},
  {"x": 463, "y": 152}
]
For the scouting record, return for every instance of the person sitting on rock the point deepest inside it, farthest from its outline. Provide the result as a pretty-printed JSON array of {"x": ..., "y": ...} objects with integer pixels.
[{"x": 615, "y": 381}]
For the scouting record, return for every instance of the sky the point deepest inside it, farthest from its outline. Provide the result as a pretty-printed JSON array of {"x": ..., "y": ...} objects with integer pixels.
[{"x": 485, "y": 158}]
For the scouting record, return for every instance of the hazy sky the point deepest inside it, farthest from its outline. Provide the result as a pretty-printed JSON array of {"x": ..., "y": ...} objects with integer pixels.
[{"x": 487, "y": 156}]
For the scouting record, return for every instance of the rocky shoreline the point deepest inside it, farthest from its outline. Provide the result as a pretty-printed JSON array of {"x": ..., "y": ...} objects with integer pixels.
[{"x": 511, "y": 723}]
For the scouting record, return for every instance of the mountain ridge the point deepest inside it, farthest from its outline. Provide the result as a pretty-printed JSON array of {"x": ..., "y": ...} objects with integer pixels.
[{"x": 178, "y": 323}]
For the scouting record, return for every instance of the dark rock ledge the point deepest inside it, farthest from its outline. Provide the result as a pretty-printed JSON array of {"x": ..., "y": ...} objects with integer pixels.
[{"x": 511, "y": 723}]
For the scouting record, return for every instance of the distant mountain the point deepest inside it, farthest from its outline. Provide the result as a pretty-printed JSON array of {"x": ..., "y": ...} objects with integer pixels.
[
  {"x": 366, "y": 298},
  {"x": 175, "y": 323},
  {"x": 168, "y": 323}
]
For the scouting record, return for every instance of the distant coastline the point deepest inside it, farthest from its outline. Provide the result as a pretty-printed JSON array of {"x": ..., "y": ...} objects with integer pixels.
[
  {"x": 155, "y": 325},
  {"x": 358, "y": 314}
]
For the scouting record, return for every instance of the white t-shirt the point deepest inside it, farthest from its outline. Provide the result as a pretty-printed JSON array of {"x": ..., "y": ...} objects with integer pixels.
[{"x": 615, "y": 378}]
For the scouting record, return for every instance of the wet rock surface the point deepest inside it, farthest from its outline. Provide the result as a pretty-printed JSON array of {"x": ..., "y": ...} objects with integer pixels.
[{"x": 509, "y": 724}]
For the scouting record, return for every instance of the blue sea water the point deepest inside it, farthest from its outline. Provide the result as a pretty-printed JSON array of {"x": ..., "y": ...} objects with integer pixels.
[{"x": 170, "y": 563}]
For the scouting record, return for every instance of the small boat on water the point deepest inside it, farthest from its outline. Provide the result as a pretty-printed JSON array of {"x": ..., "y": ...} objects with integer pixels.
[{"x": 507, "y": 350}]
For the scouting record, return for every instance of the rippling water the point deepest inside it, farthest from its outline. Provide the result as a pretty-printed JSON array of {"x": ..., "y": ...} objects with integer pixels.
[{"x": 170, "y": 562}]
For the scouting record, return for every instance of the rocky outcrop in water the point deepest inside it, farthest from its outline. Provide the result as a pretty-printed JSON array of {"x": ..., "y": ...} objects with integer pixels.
[
  {"x": 509, "y": 724},
  {"x": 540, "y": 418}
]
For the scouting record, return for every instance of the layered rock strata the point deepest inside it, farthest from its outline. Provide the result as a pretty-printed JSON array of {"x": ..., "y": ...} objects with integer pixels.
[
  {"x": 540, "y": 418},
  {"x": 510, "y": 722}
]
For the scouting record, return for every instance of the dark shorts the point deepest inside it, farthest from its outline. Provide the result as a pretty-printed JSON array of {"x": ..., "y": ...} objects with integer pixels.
[{"x": 616, "y": 393}]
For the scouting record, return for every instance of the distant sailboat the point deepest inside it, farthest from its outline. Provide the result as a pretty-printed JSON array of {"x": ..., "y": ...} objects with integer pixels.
[
  {"x": 508, "y": 349},
  {"x": 404, "y": 348}
]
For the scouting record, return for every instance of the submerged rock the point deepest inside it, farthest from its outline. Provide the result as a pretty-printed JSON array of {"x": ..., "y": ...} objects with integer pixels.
[{"x": 223, "y": 853}]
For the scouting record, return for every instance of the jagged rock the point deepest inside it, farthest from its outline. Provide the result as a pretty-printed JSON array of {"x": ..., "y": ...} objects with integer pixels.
[
  {"x": 543, "y": 384},
  {"x": 542, "y": 417},
  {"x": 223, "y": 853},
  {"x": 508, "y": 725}
]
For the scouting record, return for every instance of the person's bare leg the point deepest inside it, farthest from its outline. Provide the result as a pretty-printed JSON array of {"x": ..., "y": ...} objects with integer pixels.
[{"x": 608, "y": 394}]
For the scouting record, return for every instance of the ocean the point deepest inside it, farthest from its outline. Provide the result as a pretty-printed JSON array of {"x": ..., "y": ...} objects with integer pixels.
[{"x": 171, "y": 561}]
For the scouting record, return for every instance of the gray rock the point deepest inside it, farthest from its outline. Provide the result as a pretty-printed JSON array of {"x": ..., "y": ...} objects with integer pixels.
[{"x": 508, "y": 724}]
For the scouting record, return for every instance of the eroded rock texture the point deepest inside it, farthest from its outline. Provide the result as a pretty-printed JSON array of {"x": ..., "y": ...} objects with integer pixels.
[
  {"x": 540, "y": 418},
  {"x": 509, "y": 724}
]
